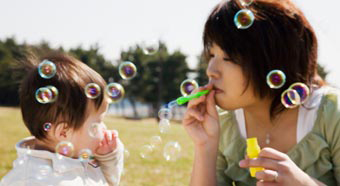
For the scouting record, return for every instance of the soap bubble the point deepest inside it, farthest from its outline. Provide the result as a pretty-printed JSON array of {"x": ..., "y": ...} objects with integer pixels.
[
  {"x": 145, "y": 151},
  {"x": 150, "y": 47},
  {"x": 127, "y": 70},
  {"x": 92, "y": 90},
  {"x": 54, "y": 91},
  {"x": 290, "y": 98},
  {"x": 47, "y": 126},
  {"x": 64, "y": 148},
  {"x": 85, "y": 155},
  {"x": 244, "y": 19},
  {"x": 43, "y": 172},
  {"x": 187, "y": 86},
  {"x": 172, "y": 151},
  {"x": 96, "y": 130},
  {"x": 44, "y": 95},
  {"x": 126, "y": 154},
  {"x": 165, "y": 113},
  {"x": 164, "y": 125},
  {"x": 172, "y": 104},
  {"x": 302, "y": 89},
  {"x": 155, "y": 141},
  {"x": 47, "y": 69},
  {"x": 276, "y": 79},
  {"x": 115, "y": 91},
  {"x": 246, "y": 2}
]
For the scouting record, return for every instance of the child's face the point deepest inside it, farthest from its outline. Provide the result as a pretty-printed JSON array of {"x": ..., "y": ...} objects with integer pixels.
[
  {"x": 81, "y": 138},
  {"x": 229, "y": 81}
]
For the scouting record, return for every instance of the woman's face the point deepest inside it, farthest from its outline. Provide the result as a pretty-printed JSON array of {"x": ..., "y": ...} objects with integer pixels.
[{"x": 228, "y": 81}]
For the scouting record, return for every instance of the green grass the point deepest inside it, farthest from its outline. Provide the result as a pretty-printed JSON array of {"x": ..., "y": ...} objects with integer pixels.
[{"x": 134, "y": 134}]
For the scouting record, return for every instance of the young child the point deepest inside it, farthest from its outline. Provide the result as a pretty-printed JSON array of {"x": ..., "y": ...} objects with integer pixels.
[
  {"x": 301, "y": 144},
  {"x": 68, "y": 122}
]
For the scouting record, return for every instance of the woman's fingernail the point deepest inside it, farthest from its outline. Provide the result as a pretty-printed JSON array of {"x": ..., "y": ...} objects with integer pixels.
[{"x": 242, "y": 163}]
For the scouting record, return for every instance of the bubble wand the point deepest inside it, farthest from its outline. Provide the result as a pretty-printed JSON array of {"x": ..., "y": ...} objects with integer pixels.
[{"x": 184, "y": 99}]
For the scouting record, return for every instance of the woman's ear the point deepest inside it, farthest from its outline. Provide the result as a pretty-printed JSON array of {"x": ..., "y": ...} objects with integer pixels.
[{"x": 62, "y": 132}]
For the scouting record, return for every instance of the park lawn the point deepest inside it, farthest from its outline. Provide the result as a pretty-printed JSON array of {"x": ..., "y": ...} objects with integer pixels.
[{"x": 133, "y": 133}]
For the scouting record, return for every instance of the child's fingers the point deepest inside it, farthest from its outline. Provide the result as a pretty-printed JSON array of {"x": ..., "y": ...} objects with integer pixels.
[{"x": 109, "y": 135}]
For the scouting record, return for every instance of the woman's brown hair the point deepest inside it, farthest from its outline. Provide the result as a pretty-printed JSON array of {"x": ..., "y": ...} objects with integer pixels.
[
  {"x": 280, "y": 38},
  {"x": 71, "y": 105}
]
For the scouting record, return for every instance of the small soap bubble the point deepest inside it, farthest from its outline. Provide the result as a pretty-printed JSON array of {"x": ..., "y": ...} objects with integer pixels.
[
  {"x": 172, "y": 151},
  {"x": 290, "y": 98},
  {"x": 187, "y": 86},
  {"x": 164, "y": 125},
  {"x": 115, "y": 91},
  {"x": 150, "y": 47},
  {"x": 47, "y": 126},
  {"x": 172, "y": 104},
  {"x": 244, "y": 19},
  {"x": 145, "y": 151},
  {"x": 126, "y": 154},
  {"x": 92, "y": 90},
  {"x": 165, "y": 113},
  {"x": 54, "y": 91},
  {"x": 276, "y": 79},
  {"x": 44, "y": 170},
  {"x": 155, "y": 141},
  {"x": 96, "y": 130},
  {"x": 302, "y": 89},
  {"x": 246, "y": 2},
  {"x": 85, "y": 155},
  {"x": 43, "y": 95},
  {"x": 47, "y": 69},
  {"x": 64, "y": 148},
  {"x": 127, "y": 70}
]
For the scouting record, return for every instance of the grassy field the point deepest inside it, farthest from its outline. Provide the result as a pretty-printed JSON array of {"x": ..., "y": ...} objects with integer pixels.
[{"x": 134, "y": 134}]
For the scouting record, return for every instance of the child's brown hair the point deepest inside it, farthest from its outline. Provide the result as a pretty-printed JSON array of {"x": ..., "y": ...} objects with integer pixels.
[{"x": 71, "y": 105}]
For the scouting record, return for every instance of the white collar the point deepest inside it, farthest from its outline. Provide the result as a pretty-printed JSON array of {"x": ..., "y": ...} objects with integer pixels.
[{"x": 62, "y": 165}]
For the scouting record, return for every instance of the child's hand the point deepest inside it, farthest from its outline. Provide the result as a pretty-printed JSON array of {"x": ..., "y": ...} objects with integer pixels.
[{"x": 109, "y": 142}]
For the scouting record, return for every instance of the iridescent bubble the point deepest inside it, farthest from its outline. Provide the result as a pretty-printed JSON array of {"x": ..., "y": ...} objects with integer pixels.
[
  {"x": 47, "y": 126},
  {"x": 164, "y": 125},
  {"x": 145, "y": 151},
  {"x": 187, "y": 86},
  {"x": 276, "y": 79},
  {"x": 290, "y": 98},
  {"x": 172, "y": 104},
  {"x": 115, "y": 91},
  {"x": 126, "y": 154},
  {"x": 165, "y": 113},
  {"x": 64, "y": 148},
  {"x": 85, "y": 155},
  {"x": 96, "y": 130},
  {"x": 244, "y": 19},
  {"x": 47, "y": 69},
  {"x": 54, "y": 91},
  {"x": 302, "y": 89},
  {"x": 44, "y": 95},
  {"x": 92, "y": 90},
  {"x": 155, "y": 141},
  {"x": 246, "y": 2},
  {"x": 150, "y": 47},
  {"x": 127, "y": 70},
  {"x": 172, "y": 151}
]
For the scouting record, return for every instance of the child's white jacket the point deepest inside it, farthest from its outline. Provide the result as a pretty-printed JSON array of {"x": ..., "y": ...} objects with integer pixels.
[{"x": 43, "y": 168}]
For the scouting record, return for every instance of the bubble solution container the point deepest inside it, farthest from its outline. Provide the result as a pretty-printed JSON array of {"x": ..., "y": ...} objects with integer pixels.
[{"x": 253, "y": 150}]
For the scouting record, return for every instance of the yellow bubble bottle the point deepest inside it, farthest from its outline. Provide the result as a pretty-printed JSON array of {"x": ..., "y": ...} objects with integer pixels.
[{"x": 253, "y": 150}]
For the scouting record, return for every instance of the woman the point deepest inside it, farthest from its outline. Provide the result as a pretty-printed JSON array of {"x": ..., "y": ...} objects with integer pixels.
[{"x": 301, "y": 145}]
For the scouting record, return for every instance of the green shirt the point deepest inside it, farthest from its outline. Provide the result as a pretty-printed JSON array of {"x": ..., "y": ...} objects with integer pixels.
[{"x": 317, "y": 154}]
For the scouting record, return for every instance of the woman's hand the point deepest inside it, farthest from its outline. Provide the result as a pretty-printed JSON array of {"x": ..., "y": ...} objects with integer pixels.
[
  {"x": 280, "y": 169},
  {"x": 201, "y": 118}
]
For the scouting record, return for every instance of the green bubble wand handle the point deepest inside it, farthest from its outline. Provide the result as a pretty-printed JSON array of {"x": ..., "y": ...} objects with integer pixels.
[{"x": 184, "y": 99}]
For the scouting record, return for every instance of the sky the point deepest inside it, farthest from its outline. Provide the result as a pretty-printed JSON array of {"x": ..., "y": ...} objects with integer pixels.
[{"x": 115, "y": 25}]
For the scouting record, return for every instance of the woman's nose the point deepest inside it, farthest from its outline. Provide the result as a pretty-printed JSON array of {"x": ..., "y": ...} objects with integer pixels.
[{"x": 212, "y": 71}]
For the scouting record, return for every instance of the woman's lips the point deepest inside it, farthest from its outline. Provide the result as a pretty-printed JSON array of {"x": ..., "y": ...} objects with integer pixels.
[{"x": 217, "y": 90}]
